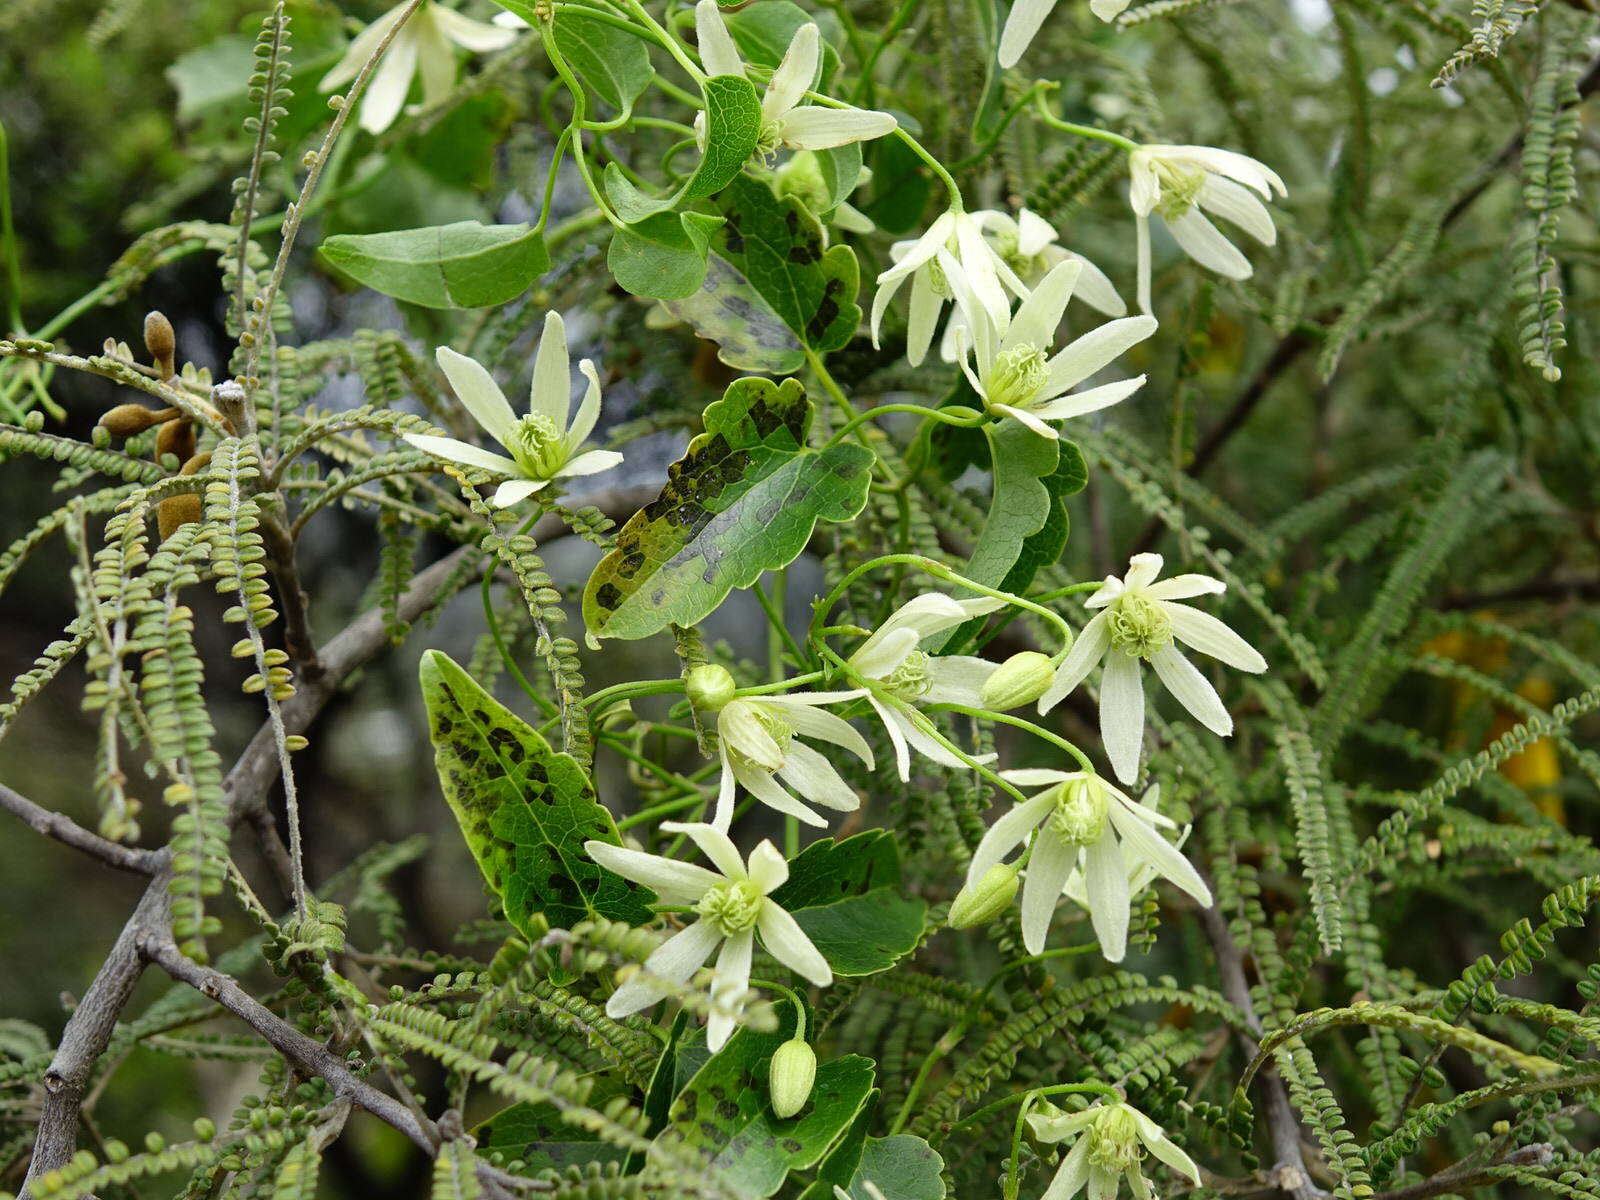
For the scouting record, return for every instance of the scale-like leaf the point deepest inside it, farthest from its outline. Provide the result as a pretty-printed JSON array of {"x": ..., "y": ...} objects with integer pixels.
[
  {"x": 743, "y": 499},
  {"x": 525, "y": 808},
  {"x": 724, "y": 1114},
  {"x": 461, "y": 265}
]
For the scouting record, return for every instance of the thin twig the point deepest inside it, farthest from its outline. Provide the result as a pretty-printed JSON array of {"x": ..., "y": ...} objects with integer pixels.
[{"x": 69, "y": 833}]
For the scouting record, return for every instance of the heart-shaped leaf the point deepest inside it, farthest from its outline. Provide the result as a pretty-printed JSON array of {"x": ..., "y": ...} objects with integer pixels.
[
  {"x": 525, "y": 809},
  {"x": 461, "y": 265},
  {"x": 743, "y": 499},
  {"x": 664, "y": 256}
]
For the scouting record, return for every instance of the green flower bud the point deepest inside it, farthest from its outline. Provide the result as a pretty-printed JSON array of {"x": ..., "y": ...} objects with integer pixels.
[
  {"x": 1020, "y": 680},
  {"x": 793, "y": 1070},
  {"x": 984, "y": 902},
  {"x": 710, "y": 687}
]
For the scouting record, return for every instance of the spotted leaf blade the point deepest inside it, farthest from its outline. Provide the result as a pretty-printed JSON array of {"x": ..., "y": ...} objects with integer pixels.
[
  {"x": 525, "y": 808},
  {"x": 743, "y": 499}
]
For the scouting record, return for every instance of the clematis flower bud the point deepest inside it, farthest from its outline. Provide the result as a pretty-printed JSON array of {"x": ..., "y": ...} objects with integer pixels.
[
  {"x": 792, "y": 1072},
  {"x": 1021, "y": 679},
  {"x": 710, "y": 687},
  {"x": 982, "y": 902}
]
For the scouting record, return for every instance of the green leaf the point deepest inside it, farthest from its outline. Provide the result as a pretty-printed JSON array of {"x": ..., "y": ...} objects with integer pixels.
[
  {"x": 779, "y": 247},
  {"x": 749, "y": 334},
  {"x": 614, "y": 63},
  {"x": 843, "y": 894},
  {"x": 839, "y": 1168},
  {"x": 742, "y": 500},
  {"x": 724, "y": 1115},
  {"x": 733, "y": 124},
  {"x": 536, "y": 1134},
  {"x": 664, "y": 256},
  {"x": 461, "y": 265},
  {"x": 900, "y": 187},
  {"x": 903, "y": 1167},
  {"x": 525, "y": 809},
  {"x": 841, "y": 171}
]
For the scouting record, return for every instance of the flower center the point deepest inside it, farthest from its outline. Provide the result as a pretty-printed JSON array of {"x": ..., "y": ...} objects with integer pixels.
[
  {"x": 772, "y": 723},
  {"x": 911, "y": 678},
  {"x": 1018, "y": 375},
  {"x": 1079, "y": 817},
  {"x": 1009, "y": 248},
  {"x": 731, "y": 907},
  {"x": 768, "y": 142},
  {"x": 1114, "y": 1141},
  {"x": 1179, "y": 189},
  {"x": 1139, "y": 626},
  {"x": 538, "y": 446}
]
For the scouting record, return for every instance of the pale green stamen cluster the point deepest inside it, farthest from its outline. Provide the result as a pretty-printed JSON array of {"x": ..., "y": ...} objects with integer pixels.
[
  {"x": 731, "y": 907},
  {"x": 1139, "y": 626},
  {"x": 1114, "y": 1140},
  {"x": 1179, "y": 190},
  {"x": 768, "y": 142},
  {"x": 937, "y": 280},
  {"x": 774, "y": 725},
  {"x": 1079, "y": 817},
  {"x": 1018, "y": 375},
  {"x": 538, "y": 446},
  {"x": 911, "y": 679}
]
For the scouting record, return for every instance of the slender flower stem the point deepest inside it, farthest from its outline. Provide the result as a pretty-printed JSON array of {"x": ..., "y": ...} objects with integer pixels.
[
  {"x": 955, "y": 414},
  {"x": 8, "y": 242},
  {"x": 626, "y": 691},
  {"x": 1023, "y": 723},
  {"x": 1058, "y": 1089},
  {"x": 1042, "y": 108}
]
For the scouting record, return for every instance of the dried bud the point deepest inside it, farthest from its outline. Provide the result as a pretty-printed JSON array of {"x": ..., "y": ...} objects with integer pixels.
[
  {"x": 982, "y": 902},
  {"x": 1021, "y": 679},
  {"x": 176, "y": 512},
  {"x": 710, "y": 687},
  {"x": 162, "y": 343},
  {"x": 198, "y": 463},
  {"x": 177, "y": 439},
  {"x": 125, "y": 420},
  {"x": 791, "y": 1074}
]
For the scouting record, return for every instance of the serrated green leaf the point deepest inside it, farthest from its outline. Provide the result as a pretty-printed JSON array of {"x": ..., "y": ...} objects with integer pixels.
[
  {"x": 780, "y": 248},
  {"x": 461, "y": 265},
  {"x": 726, "y": 309},
  {"x": 742, "y": 500},
  {"x": 525, "y": 808},
  {"x": 723, "y": 1114},
  {"x": 664, "y": 256}
]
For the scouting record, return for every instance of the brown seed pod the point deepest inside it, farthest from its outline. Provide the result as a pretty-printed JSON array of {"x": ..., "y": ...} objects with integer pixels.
[
  {"x": 125, "y": 420},
  {"x": 175, "y": 438},
  {"x": 162, "y": 343},
  {"x": 177, "y": 511},
  {"x": 198, "y": 462}
]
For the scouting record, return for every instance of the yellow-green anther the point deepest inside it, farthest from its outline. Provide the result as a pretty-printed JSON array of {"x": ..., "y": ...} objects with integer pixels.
[
  {"x": 732, "y": 907},
  {"x": 1138, "y": 625},
  {"x": 1079, "y": 818}
]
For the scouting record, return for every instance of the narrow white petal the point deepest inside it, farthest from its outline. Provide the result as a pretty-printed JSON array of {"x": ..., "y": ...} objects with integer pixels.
[
  {"x": 1183, "y": 587},
  {"x": 884, "y": 651},
  {"x": 1122, "y": 714},
  {"x": 813, "y": 723},
  {"x": 1204, "y": 242},
  {"x": 1210, "y": 636},
  {"x": 1107, "y": 10},
  {"x": 926, "y": 305},
  {"x": 386, "y": 92},
  {"x": 551, "y": 394},
  {"x": 1034, "y": 323},
  {"x": 479, "y": 394},
  {"x": 464, "y": 453},
  {"x": 515, "y": 491},
  {"x": 1158, "y": 1143},
  {"x": 590, "y": 462},
  {"x": 1090, "y": 646},
  {"x": 1143, "y": 570},
  {"x": 360, "y": 49},
  {"x": 1235, "y": 202},
  {"x": 795, "y": 74},
  {"x": 1078, "y": 404},
  {"x": 814, "y": 777},
  {"x": 769, "y": 870},
  {"x": 1038, "y": 776},
  {"x": 927, "y": 746},
  {"x": 718, "y": 54},
  {"x": 1021, "y": 25},
  {"x": 1142, "y": 843},
  {"x": 1096, "y": 289},
  {"x": 677, "y": 958},
  {"x": 1142, "y": 234},
  {"x": 1041, "y": 889},
  {"x": 588, "y": 411},
  {"x": 815, "y": 128},
  {"x": 788, "y": 943},
  {"x": 713, "y": 843},
  {"x": 1192, "y": 690},
  {"x": 1007, "y": 833},
  {"x": 767, "y": 790},
  {"x": 472, "y": 35},
  {"x": 897, "y": 739},
  {"x": 1094, "y": 350},
  {"x": 728, "y": 986},
  {"x": 958, "y": 679},
  {"x": 1034, "y": 233},
  {"x": 1071, "y": 1175},
  {"x": 722, "y": 818},
  {"x": 1105, "y": 876},
  {"x": 675, "y": 882},
  {"x": 1028, "y": 419}
]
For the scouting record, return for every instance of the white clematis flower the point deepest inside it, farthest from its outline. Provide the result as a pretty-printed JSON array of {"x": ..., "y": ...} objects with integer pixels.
[
  {"x": 733, "y": 904},
  {"x": 1108, "y": 1142},
  {"x": 954, "y": 245},
  {"x": 1088, "y": 825},
  {"x": 1138, "y": 621},
  {"x": 905, "y": 676},
  {"x": 1011, "y": 367},
  {"x": 1027, "y": 243},
  {"x": 541, "y": 444},
  {"x": 1183, "y": 183},
  {"x": 1027, "y": 16},
  {"x": 760, "y": 745},
  {"x": 423, "y": 45},
  {"x": 786, "y": 120}
]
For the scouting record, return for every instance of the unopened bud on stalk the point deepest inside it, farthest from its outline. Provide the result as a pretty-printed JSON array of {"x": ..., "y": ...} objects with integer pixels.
[
  {"x": 125, "y": 420},
  {"x": 1021, "y": 679},
  {"x": 177, "y": 439},
  {"x": 710, "y": 687},
  {"x": 792, "y": 1072},
  {"x": 162, "y": 343},
  {"x": 982, "y": 902}
]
